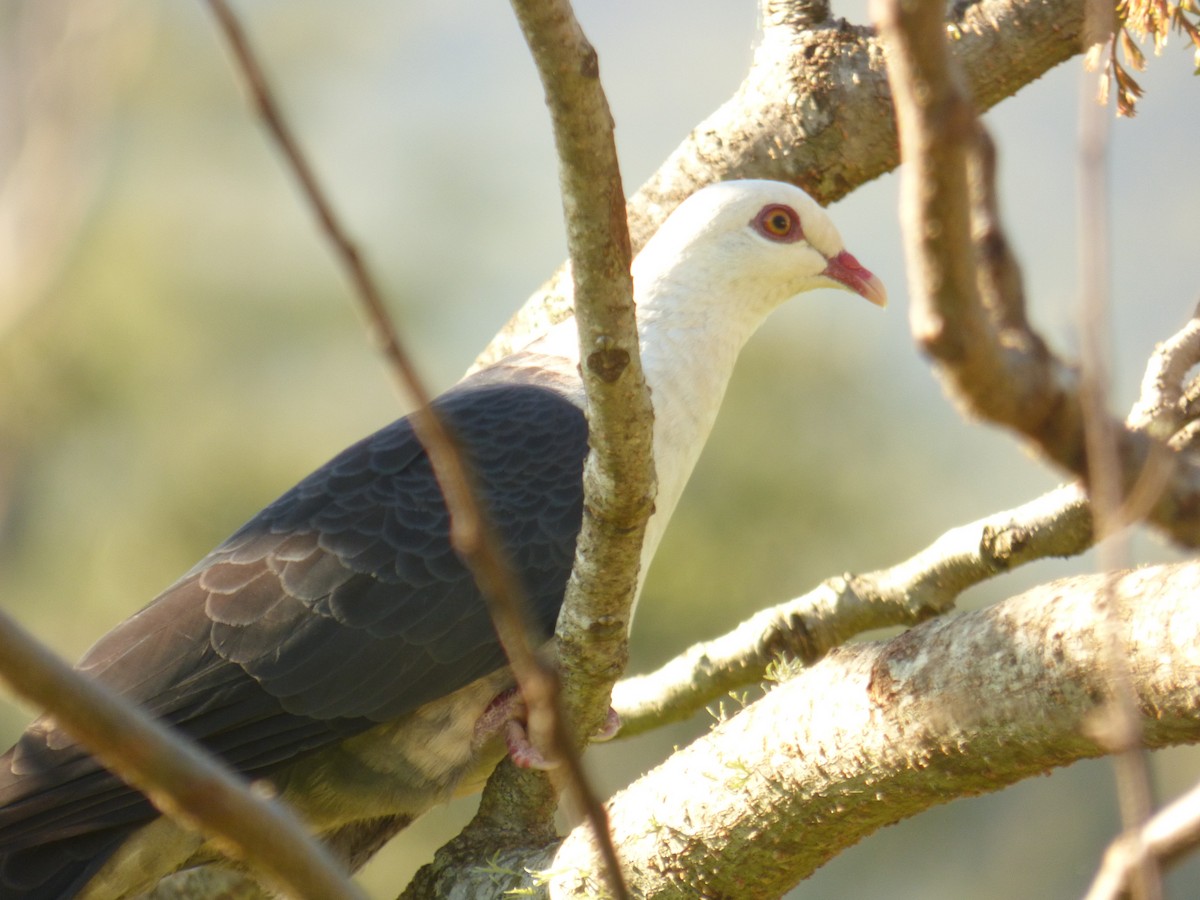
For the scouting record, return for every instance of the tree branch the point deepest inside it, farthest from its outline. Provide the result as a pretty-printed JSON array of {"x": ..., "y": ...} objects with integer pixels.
[
  {"x": 996, "y": 368},
  {"x": 619, "y": 474},
  {"x": 1119, "y": 723},
  {"x": 470, "y": 531},
  {"x": 1171, "y": 834},
  {"x": 182, "y": 781},
  {"x": 815, "y": 110},
  {"x": 1059, "y": 523},
  {"x": 806, "y": 628},
  {"x": 879, "y": 732},
  {"x": 619, "y": 485},
  {"x": 1162, "y": 409}
]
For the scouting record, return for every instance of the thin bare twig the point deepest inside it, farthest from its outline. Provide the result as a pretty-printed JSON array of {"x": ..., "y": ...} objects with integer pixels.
[
  {"x": 181, "y": 780},
  {"x": 471, "y": 533},
  {"x": 62, "y": 82},
  {"x": 1164, "y": 404},
  {"x": 1118, "y": 726},
  {"x": 1172, "y": 833},
  {"x": 1019, "y": 383}
]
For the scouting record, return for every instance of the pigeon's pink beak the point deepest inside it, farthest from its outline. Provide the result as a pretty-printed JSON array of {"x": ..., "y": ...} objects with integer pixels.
[{"x": 848, "y": 271}]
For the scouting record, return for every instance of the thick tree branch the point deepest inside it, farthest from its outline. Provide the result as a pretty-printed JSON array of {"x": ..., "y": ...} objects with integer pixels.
[
  {"x": 815, "y": 110},
  {"x": 878, "y": 732}
]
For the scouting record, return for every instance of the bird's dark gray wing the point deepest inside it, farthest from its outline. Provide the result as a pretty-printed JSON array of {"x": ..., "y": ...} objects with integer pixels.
[{"x": 340, "y": 605}]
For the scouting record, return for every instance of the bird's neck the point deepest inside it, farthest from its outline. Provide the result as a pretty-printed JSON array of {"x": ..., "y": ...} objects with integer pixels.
[
  {"x": 688, "y": 351},
  {"x": 688, "y": 358}
]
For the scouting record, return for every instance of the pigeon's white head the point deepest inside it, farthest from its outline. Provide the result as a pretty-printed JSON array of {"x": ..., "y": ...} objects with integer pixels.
[
  {"x": 742, "y": 248},
  {"x": 723, "y": 260}
]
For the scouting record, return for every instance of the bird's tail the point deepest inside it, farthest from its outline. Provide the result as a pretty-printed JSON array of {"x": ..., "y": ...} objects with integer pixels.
[{"x": 58, "y": 870}]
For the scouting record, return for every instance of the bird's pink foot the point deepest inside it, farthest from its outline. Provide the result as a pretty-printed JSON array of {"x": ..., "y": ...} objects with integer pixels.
[
  {"x": 508, "y": 714},
  {"x": 608, "y": 731},
  {"x": 521, "y": 749}
]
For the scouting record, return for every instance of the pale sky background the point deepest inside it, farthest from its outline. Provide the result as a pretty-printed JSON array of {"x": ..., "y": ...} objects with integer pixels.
[{"x": 195, "y": 350}]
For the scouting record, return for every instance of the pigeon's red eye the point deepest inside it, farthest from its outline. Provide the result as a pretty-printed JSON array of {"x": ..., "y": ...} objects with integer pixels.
[{"x": 778, "y": 223}]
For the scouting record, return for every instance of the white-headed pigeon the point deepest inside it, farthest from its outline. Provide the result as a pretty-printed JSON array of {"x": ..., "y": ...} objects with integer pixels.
[{"x": 335, "y": 645}]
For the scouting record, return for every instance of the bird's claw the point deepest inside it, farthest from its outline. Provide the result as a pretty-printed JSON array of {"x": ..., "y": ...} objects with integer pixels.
[
  {"x": 521, "y": 749},
  {"x": 508, "y": 714},
  {"x": 608, "y": 731}
]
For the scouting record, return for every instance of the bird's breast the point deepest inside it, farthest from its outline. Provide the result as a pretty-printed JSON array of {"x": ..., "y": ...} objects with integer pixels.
[{"x": 401, "y": 767}]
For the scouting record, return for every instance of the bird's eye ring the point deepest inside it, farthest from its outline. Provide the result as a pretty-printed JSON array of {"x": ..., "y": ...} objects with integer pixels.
[{"x": 778, "y": 222}]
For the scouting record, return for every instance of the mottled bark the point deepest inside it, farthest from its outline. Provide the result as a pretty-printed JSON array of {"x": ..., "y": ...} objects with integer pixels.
[{"x": 878, "y": 732}]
